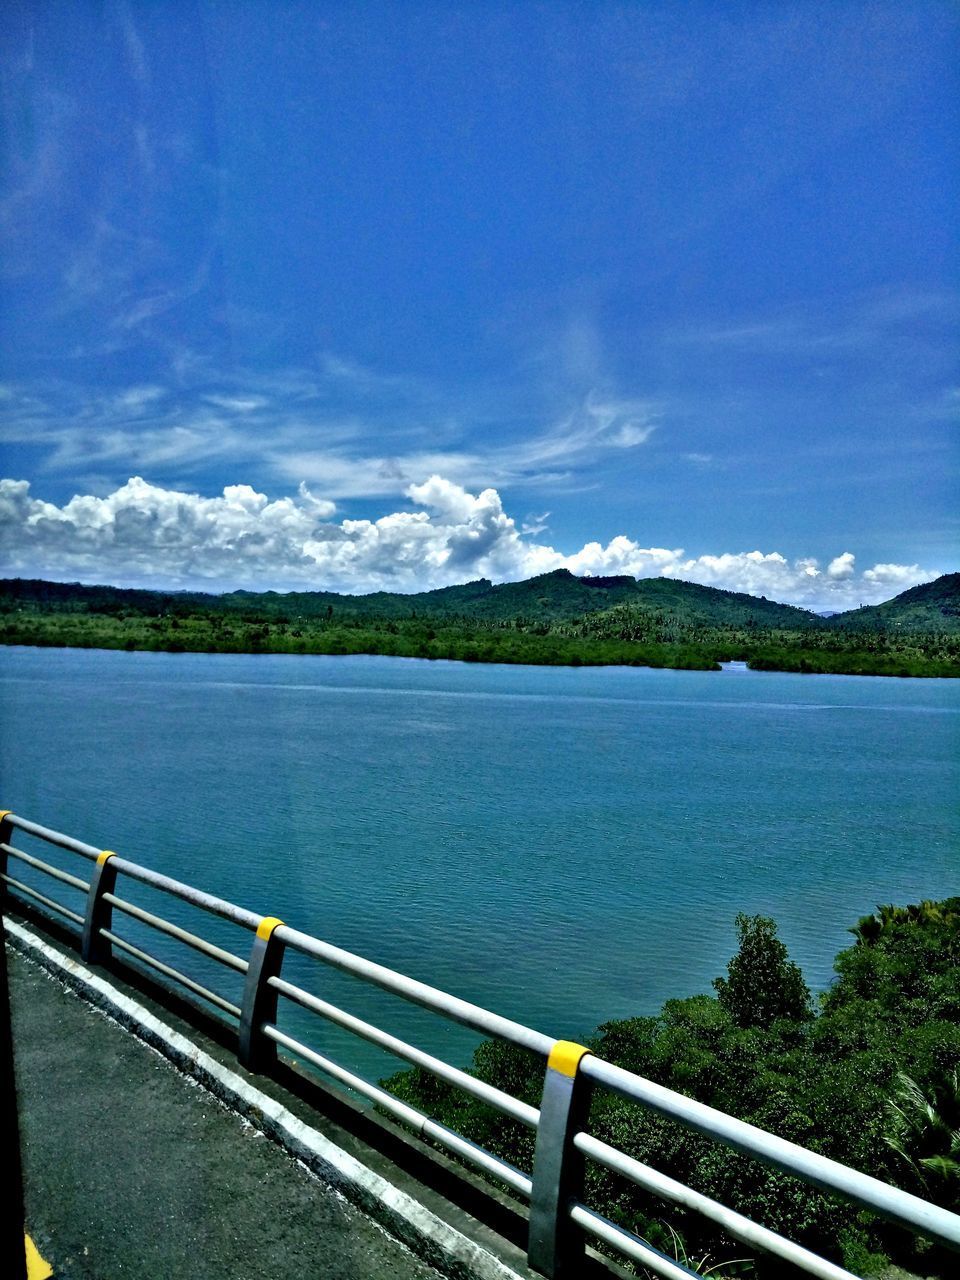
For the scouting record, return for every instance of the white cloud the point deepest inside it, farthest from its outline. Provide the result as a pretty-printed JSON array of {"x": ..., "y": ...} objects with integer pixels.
[
  {"x": 138, "y": 399},
  {"x": 621, "y": 555},
  {"x": 238, "y": 404},
  {"x": 897, "y": 576},
  {"x": 534, "y": 524},
  {"x": 841, "y": 566},
  {"x": 144, "y": 534}
]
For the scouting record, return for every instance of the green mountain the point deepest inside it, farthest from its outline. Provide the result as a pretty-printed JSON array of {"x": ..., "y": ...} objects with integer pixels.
[
  {"x": 931, "y": 607},
  {"x": 549, "y": 598},
  {"x": 556, "y": 618},
  {"x": 695, "y": 605},
  {"x": 560, "y": 596}
]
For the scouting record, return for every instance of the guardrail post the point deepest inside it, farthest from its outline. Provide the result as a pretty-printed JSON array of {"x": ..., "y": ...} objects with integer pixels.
[
  {"x": 256, "y": 1052},
  {"x": 95, "y": 949},
  {"x": 6, "y": 832},
  {"x": 556, "y": 1245}
]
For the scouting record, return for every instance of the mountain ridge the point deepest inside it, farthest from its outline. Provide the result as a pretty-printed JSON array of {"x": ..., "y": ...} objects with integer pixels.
[
  {"x": 552, "y": 619},
  {"x": 929, "y": 606},
  {"x": 549, "y": 597}
]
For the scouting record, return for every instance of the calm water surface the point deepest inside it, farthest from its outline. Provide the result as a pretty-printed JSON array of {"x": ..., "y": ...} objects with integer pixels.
[{"x": 561, "y": 845}]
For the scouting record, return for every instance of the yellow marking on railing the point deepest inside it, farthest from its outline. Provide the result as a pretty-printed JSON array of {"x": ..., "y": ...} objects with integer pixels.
[
  {"x": 4, "y": 812},
  {"x": 101, "y": 858},
  {"x": 565, "y": 1057},
  {"x": 37, "y": 1268},
  {"x": 267, "y": 926}
]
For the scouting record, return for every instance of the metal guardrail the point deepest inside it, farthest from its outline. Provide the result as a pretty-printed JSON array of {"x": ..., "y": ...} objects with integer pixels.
[{"x": 559, "y": 1222}]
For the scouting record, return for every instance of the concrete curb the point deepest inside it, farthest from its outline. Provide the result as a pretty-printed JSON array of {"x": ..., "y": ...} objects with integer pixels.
[{"x": 427, "y": 1235}]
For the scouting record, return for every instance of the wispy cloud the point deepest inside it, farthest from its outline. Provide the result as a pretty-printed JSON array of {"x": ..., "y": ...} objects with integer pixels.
[
  {"x": 137, "y": 61},
  {"x": 598, "y": 422},
  {"x": 237, "y": 404},
  {"x": 534, "y": 524},
  {"x": 353, "y": 433},
  {"x": 866, "y": 322}
]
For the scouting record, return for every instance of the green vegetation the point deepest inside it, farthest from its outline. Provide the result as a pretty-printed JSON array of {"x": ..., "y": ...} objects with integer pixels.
[
  {"x": 933, "y": 606},
  {"x": 553, "y": 619},
  {"x": 866, "y": 1074},
  {"x": 808, "y": 647}
]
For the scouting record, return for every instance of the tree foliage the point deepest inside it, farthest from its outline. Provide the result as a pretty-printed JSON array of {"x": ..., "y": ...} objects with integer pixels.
[
  {"x": 866, "y": 1074},
  {"x": 762, "y": 983},
  {"x": 555, "y": 619},
  {"x": 924, "y": 1130}
]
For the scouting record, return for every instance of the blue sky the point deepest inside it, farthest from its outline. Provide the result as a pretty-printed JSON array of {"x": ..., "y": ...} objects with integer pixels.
[{"x": 358, "y": 295}]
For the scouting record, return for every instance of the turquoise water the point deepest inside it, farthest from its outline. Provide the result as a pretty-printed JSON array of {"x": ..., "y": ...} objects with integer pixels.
[{"x": 562, "y": 845}]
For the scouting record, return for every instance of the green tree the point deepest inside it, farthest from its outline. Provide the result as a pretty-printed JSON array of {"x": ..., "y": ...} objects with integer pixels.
[
  {"x": 762, "y": 983},
  {"x": 923, "y": 1128}
]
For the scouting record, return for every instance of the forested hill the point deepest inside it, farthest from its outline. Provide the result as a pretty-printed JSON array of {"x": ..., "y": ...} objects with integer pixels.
[
  {"x": 933, "y": 606},
  {"x": 555, "y": 618},
  {"x": 694, "y": 604},
  {"x": 560, "y": 596},
  {"x": 551, "y": 597}
]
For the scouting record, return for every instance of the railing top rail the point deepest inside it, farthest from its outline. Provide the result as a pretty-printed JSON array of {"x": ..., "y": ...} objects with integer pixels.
[
  {"x": 53, "y": 837},
  {"x": 196, "y": 897},
  {"x": 421, "y": 993}
]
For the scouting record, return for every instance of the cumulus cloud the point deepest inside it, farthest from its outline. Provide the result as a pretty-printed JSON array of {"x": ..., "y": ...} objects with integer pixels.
[
  {"x": 897, "y": 576},
  {"x": 841, "y": 566},
  {"x": 144, "y": 534}
]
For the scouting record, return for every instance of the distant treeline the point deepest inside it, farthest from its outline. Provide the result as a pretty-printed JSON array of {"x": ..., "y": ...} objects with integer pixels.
[{"x": 654, "y": 622}]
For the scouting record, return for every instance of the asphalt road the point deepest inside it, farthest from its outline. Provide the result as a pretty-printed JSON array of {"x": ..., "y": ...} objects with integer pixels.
[{"x": 131, "y": 1170}]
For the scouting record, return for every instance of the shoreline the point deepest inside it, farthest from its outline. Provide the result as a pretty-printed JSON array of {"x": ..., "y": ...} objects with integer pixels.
[{"x": 800, "y": 665}]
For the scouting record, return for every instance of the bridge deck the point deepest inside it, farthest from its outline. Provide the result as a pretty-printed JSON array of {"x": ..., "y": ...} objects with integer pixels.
[{"x": 129, "y": 1169}]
